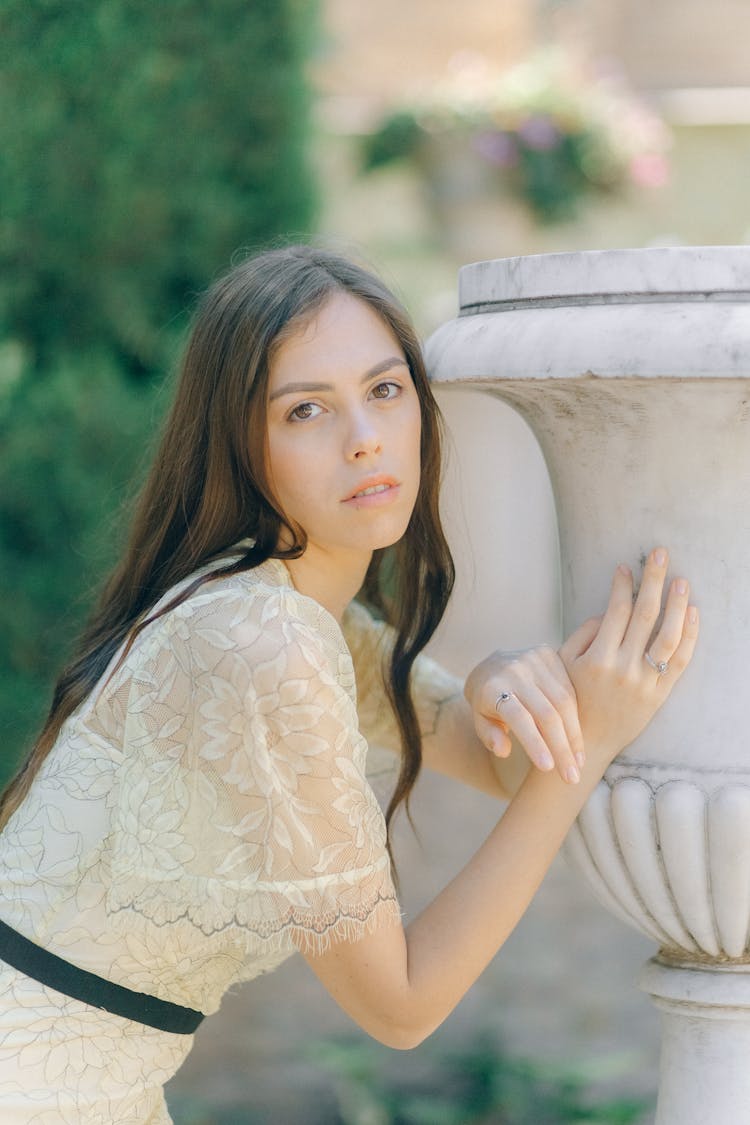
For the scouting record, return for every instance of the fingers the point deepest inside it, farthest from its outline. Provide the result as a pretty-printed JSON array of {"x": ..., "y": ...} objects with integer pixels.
[
  {"x": 627, "y": 625},
  {"x": 678, "y": 630},
  {"x": 647, "y": 607},
  {"x": 618, "y": 613},
  {"x": 668, "y": 638},
  {"x": 683, "y": 654},
  {"x": 539, "y": 727},
  {"x": 634, "y": 659},
  {"x": 535, "y": 701},
  {"x": 494, "y": 735},
  {"x": 675, "y": 641}
]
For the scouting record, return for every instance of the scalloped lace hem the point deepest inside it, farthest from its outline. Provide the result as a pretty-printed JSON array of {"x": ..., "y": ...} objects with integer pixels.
[{"x": 267, "y": 938}]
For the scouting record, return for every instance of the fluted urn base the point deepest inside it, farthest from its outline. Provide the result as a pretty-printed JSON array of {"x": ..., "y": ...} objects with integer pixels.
[
  {"x": 705, "y": 1042},
  {"x": 668, "y": 850}
]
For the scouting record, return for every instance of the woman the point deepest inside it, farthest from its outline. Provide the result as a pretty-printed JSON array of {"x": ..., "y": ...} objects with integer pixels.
[{"x": 196, "y": 807}]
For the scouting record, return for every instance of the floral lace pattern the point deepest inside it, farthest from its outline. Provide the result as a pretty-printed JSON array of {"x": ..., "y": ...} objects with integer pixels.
[
  {"x": 431, "y": 686},
  {"x": 203, "y": 814}
]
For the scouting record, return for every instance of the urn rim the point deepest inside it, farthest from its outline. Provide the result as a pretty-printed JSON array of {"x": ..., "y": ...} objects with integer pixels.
[{"x": 625, "y": 276}]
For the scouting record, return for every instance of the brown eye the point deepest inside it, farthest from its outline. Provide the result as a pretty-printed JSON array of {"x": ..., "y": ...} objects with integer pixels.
[
  {"x": 385, "y": 390},
  {"x": 302, "y": 412}
]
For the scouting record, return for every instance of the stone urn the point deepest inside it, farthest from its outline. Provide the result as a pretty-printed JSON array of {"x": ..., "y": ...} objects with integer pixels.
[{"x": 632, "y": 368}]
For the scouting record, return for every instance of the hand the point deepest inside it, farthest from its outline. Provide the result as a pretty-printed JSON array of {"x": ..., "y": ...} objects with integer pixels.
[
  {"x": 599, "y": 692},
  {"x": 530, "y": 695},
  {"x": 617, "y": 688}
]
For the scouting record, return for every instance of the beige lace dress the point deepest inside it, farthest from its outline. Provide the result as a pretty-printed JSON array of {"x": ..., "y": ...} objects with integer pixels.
[{"x": 204, "y": 814}]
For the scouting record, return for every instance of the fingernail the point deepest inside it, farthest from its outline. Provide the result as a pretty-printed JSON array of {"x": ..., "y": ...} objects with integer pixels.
[
  {"x": 681, "y": 586},
  {"x": 546, "y": 761},
  {"x": 625, "y": 570},
  {"x": 580, "y": 758},
  {"x": 572, "y": 775},
  {"x": 660, "y": 556},
  {"x": 692, "y": 615}
]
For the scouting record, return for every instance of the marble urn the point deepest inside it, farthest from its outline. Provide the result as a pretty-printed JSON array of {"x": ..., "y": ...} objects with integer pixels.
[{"x": 632, "y": 368}]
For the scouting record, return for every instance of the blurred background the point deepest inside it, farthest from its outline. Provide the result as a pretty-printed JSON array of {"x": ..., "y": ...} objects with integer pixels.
[{"x": 143, "y": 146}]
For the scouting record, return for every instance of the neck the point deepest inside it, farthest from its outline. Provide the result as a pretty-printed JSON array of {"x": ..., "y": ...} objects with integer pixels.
[{"x": 332, "y": 582}]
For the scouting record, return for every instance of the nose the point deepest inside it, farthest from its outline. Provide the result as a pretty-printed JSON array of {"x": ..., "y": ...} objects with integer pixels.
[{"x": 363, "y": 438}]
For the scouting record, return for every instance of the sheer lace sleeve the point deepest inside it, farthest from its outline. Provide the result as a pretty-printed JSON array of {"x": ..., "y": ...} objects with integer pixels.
[
  {"x": 242, "y": 799},
  {"x": 432, "y": 686}
]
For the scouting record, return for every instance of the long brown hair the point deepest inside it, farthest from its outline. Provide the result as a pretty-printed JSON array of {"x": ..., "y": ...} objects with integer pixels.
[{"x": 207, "y": 488}]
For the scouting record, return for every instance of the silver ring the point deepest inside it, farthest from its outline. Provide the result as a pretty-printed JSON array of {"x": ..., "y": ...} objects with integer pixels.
[
  {"x": 503, "y": 697},
  {"x": 661, "y": 667}
]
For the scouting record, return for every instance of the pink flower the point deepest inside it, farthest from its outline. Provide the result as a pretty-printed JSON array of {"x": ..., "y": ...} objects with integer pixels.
[{"x": 649, "y": 169}]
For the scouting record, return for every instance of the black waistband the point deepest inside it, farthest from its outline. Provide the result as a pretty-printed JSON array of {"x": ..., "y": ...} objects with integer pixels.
[{"x": 49, "y": 969}]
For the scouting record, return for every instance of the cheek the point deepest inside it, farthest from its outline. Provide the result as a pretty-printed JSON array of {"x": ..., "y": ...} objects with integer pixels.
[
  {"x": 279, "y": 467},
  {"x": 291, "y": 474}
]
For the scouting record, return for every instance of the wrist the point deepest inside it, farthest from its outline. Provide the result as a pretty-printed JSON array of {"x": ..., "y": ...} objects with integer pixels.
[{"x": 566, "y": 799}]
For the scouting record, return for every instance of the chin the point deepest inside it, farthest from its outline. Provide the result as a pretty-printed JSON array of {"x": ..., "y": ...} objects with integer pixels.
[{"x": 390, "y": 536}]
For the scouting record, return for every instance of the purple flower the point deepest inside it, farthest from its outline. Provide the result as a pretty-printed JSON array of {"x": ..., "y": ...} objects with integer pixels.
[
  {"x": 539, "y": 132},
  {"x": 497, "y": 148}
]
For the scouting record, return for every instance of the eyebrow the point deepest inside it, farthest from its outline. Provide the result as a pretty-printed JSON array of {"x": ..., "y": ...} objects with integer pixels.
[{"x": 313, "y": 388}]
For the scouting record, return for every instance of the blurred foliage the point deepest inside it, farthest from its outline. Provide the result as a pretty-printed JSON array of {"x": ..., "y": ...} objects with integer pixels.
[
  {"x": 72, "y": 441},
  {"x": 480, "y": 1085},
  {"x": 440, "y": 1083},
  {"x": 141, "y": 144}
]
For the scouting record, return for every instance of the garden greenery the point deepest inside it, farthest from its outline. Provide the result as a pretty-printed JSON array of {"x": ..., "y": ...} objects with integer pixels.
[
  {"x": 480, "y": 1084},
  {"x": 142, "y": 146}
]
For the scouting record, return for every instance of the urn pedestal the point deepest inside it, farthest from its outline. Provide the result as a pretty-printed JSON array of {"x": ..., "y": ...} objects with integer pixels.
[{"x": 632, "y": 368}]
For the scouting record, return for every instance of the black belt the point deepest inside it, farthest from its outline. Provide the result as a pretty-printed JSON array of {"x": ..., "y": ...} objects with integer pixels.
[{"x": 49, "y": 969}]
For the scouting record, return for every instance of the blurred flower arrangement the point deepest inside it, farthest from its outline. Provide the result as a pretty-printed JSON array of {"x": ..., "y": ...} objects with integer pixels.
[{"x": 550, "y": 130}]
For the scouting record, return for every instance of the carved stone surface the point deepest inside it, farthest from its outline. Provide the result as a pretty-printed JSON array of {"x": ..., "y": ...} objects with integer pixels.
[
  {"x": 670, "y": 855},
  {"x": 632, "y": 368}
]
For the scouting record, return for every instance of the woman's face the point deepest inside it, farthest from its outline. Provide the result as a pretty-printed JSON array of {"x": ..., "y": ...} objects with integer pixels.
[{"x": 344, "y": 431}]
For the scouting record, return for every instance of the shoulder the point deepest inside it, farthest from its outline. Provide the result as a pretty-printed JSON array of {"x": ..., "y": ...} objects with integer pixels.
[
  {"x": 366, "y": 637},
  {"x": 255, "y": 618}
]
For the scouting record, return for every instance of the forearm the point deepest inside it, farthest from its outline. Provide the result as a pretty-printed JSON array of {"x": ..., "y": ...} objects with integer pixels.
[
  {"x": 400, "y": 985},
  {"x": 454, "y": 939}
]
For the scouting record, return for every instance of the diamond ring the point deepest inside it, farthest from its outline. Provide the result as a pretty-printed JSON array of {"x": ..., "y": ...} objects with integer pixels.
[
  {"x": 503, "y": 697},
  {"x": 661, "y": 667}
]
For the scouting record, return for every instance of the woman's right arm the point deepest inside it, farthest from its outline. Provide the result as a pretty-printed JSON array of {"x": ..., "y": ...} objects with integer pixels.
[{"x": 400, "y": 984}]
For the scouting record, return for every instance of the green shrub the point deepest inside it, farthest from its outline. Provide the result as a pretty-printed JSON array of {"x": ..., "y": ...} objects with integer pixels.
[
  {"x": 72, "y": 440},
  {"x": 479, "y": 1085},
  {"x": 141, "y": 145}
]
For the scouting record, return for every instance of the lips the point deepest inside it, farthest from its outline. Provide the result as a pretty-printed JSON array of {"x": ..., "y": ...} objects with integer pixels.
[
  {"x": 372, "y": 487},
  {"x": 372, "y": 490}
]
